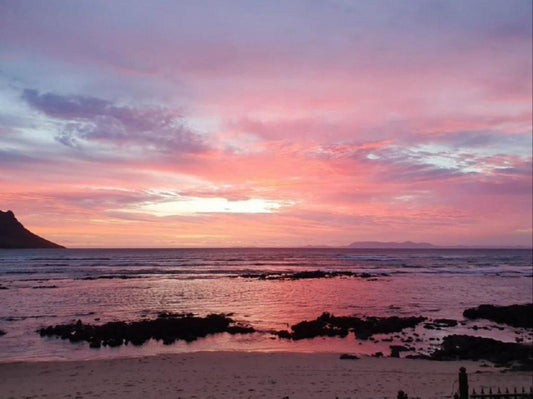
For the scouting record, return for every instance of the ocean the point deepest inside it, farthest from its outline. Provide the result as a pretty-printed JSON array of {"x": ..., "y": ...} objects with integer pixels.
[{"x": 47, "y": 287}]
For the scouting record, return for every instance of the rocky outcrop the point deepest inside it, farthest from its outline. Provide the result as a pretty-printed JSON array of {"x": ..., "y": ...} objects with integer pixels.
[
  {"x": 328, "y": 325},
  {"x": 513, "y": 315},
  {"x": 466, "y": 347},
  {"x": 167, "y": 327},
  {"x": 309, "y": 274},
  {"x": 14, "y": 235}
]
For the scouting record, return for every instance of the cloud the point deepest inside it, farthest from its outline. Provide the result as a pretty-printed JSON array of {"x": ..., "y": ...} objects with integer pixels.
[
  {"x": 374, "y": 120},
  {"x": 90, "y": 119}
]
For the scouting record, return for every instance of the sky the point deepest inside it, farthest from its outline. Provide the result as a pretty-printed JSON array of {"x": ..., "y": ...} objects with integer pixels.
[{"x": 267, "y": 123}]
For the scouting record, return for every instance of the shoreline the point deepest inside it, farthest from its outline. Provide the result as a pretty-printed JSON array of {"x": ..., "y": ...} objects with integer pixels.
[{"x": 248, "y": 375}]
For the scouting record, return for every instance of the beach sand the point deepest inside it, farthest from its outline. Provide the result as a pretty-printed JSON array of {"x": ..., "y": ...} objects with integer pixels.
[{"x": 245, "y": 375}]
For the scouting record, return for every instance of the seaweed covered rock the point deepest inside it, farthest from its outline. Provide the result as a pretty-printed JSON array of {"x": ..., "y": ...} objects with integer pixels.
[
  {"x": 308, "y": 274},
  {"x": 167, "y": 328},
  {"x": 513, "y": 315},
  {"x": 466, "y": 347},
  {"x": 340, "y": 326}
]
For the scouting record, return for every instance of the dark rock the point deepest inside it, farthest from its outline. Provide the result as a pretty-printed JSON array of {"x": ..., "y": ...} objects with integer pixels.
[
  {"x": 418, "y": 356},
  {"x": 167, "y": 328},
  {"x": 169, "y": 340},
  {"x": 3, "y": 288},
  {"x": 377, "y": 354},
  {"x": 283, "y": 334},
  {"x": 466, "y": 347},
  {"x": 396, "y": 349},
  {"x": 317, "y": 328},
  {"x": 513, "y": 315},
  {"x": 347, "y": 356},
  {"x": 240, "y": 330},
  {"x": 401, "y": 395},
  {"x": 40, "y": 287},
  {"x": 2, "y": 332},
  {"x": 306, "y": 274},
  {"x": 14, "y": 235},
  {"x": 328, "y": 325}
]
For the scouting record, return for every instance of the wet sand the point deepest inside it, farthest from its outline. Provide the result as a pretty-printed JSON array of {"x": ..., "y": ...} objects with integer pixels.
[{"x": 246, "y": 375}]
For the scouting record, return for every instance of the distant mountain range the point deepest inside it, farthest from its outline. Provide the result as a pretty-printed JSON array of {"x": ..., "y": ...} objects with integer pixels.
[
  {"x": 415, "y": 245},
  {"x": 425, "y": 245},
  {"x": 390, "y": 245},
  {"x": 14, "y": 235}
]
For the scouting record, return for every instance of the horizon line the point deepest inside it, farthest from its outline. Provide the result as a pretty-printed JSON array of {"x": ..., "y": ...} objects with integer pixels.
[{"x": 495, "y": 247}]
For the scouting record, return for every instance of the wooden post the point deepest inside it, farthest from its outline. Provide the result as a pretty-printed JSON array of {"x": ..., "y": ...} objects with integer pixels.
[{"x": 463, "y": 384}]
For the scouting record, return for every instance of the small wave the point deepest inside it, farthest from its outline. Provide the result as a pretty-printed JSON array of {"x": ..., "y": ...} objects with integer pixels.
[
  {"x": 370, "y": 258},
  {"x": 68, "y": 258}
]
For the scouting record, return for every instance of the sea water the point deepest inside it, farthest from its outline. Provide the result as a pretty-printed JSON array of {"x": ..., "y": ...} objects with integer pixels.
[{"x": 47, "y": 287}]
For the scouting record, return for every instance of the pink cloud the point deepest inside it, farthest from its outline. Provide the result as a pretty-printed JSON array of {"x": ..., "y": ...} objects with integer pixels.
[{"x": 363, "y": 121}]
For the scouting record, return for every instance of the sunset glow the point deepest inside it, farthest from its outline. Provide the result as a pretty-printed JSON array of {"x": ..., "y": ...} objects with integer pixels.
[{"x": 267, "y": 123}]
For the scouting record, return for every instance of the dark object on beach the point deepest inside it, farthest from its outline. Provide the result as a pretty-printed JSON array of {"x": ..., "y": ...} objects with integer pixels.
[
  {"x": 402, "y": 395},
  {"x": 328, "y": 325},
  {"x": 167, "y": 328},
  {"x": 463, "y": 384},
  {"x": 308, "y": 274},
  {"x": 41, "y": 287},
  {"x": 396, "y": 349},
  {"x": 466, "y": 347},
  {"x": 3, "y": 288},
  {"x": 347, "y": 356},
  {"x": 501, "y": 393},
  {"x": 513, "y": 315},
  {"x": 2, "y": 332},
  {"x": 14, "y": 235}
]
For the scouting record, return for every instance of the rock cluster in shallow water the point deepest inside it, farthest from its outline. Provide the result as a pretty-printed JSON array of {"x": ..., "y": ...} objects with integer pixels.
[
  {"x": 466, "y": 347},
  {"x": 513, "y": 315},
  {"x": 328, "y": 325},
  {"x": 309, "y": 274},
  {"x": 168, "y": 328}
]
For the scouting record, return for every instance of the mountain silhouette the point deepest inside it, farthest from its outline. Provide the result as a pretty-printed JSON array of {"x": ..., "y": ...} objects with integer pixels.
[
  {"x": 14, "y": 235},
  {"x": 390, "y": 245}
]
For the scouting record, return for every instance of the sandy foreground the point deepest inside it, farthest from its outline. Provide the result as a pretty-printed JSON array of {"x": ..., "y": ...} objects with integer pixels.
[{"x": 245, "y": 375}]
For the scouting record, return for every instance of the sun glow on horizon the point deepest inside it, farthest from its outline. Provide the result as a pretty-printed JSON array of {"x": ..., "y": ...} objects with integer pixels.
[{"x": 194, "y": 205}]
